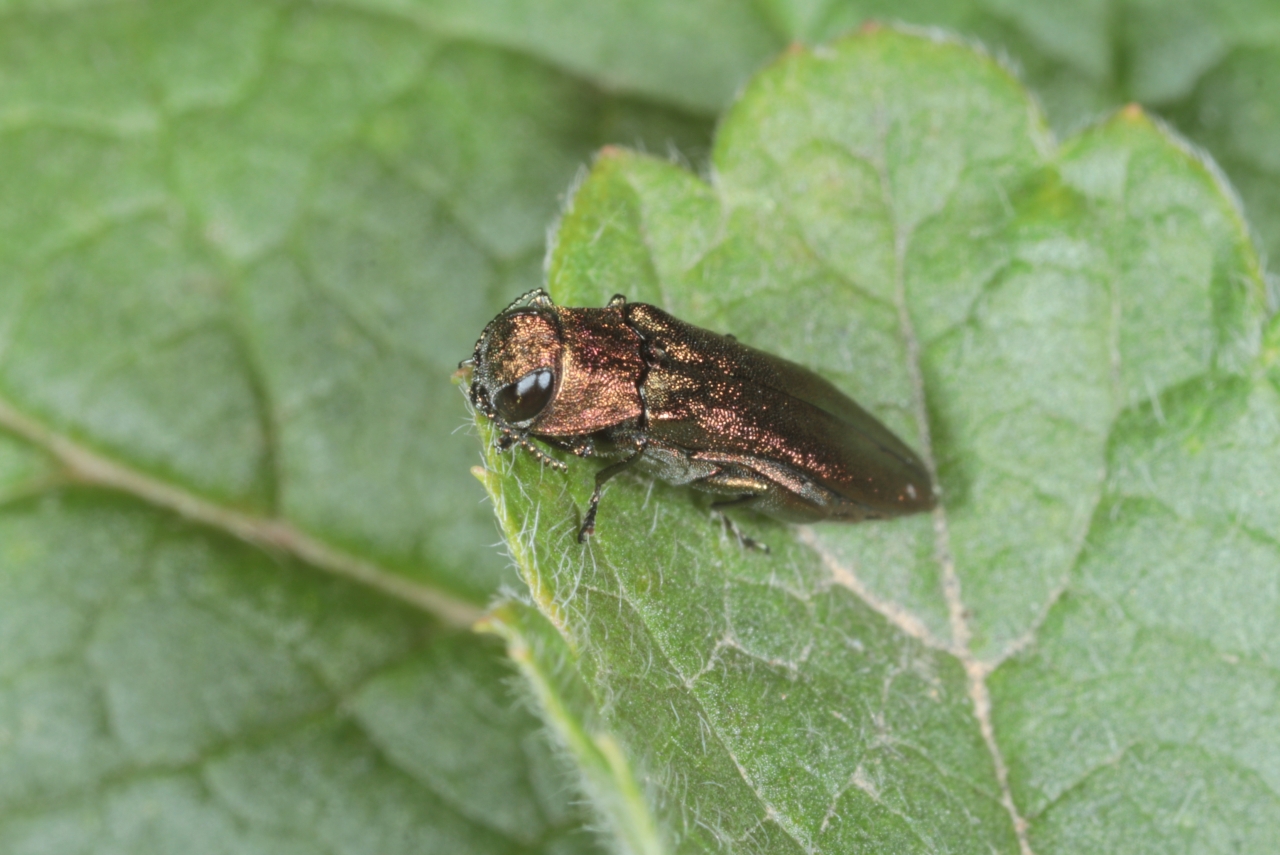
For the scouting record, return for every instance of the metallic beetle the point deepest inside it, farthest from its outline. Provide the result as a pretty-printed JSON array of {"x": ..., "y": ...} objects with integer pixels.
[{"x": 632, "y": 384}]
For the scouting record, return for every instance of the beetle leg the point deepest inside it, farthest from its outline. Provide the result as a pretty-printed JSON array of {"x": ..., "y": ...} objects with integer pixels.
[
  {"x": 743, "y": 540},
  {"x": 582, "y": 446},
  {"x": 746, "y": 488},
  {"x": 589, "y": 521},
  {"x": 616, "y": 301},
  {"x": 732, "y": 528}
]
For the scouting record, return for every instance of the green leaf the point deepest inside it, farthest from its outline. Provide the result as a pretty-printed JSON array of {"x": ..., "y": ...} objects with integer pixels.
[
  {"x": 246, "y": 260},
  {"x": 1072, "y": 653},
  {"x": 242, "y": 248},
  {"x": 1232, "y": 111},
  {"x": 163, "y": 689},
  {"x": 1210, "y": 66},
  {"x": 242, "y": 245},
  {"x": 658, "y": 48},
  {"x": 558, "y": 690}
]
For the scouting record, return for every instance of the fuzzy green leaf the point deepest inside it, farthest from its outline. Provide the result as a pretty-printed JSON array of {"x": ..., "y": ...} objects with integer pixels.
[
  {"x": 1072, "y": 336},
  {"x": 165, "y": 690},
  {"x": 242, "y": 248},
  {"x": 247, "y": 259},
  {"x": 243, "y": 244}
]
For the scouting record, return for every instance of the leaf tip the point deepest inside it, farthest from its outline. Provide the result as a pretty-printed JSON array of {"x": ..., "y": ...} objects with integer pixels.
[{"x": 1132, "y": 112}]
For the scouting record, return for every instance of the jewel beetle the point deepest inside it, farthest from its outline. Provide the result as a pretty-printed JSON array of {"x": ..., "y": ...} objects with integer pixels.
[{"x": 633, "y": 385}]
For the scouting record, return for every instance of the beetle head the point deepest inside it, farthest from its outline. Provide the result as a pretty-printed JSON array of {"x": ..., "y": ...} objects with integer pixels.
[{"x": 515, "y": 367}]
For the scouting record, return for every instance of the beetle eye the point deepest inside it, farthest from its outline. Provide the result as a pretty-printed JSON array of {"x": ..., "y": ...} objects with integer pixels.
[{"x": 525, "y": 398}]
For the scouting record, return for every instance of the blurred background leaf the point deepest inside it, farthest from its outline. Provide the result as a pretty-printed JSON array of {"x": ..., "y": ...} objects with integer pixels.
[{"x": 242, "y": 247}]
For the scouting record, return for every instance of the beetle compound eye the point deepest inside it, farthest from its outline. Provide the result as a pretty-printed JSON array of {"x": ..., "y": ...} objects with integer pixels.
[{"x": 525, "y": 398}]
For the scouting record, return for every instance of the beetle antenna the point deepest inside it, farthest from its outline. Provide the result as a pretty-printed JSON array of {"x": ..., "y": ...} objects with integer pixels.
[{"x": 540, "y": 454}]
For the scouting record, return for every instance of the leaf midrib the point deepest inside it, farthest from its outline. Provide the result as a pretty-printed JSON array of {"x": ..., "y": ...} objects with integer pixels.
[{"x": 86, "y": 466}]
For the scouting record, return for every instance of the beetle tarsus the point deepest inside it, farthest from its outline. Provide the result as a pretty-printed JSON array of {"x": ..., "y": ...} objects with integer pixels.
[
  {"x": 588, "y": 527},
  {"x": 731, "y": 527}
]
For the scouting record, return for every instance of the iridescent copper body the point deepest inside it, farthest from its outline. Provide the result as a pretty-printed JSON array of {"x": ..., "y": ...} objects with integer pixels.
[{"x": 630, "y": 383}]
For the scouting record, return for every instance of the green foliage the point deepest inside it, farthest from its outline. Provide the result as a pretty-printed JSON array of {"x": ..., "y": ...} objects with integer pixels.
[
  {"x": 1069, "y": 323},
  {"x": 243, "y": 246},
  {"x": 169, "y": 690}
]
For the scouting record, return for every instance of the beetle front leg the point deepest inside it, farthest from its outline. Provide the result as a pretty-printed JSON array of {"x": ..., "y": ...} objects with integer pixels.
[
  {"x": 582, "y": 446},
  {"x": 589, "y": 521}
]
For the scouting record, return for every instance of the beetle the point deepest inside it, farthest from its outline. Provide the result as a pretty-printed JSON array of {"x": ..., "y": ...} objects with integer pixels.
[{"x": 633, "y": 385}]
